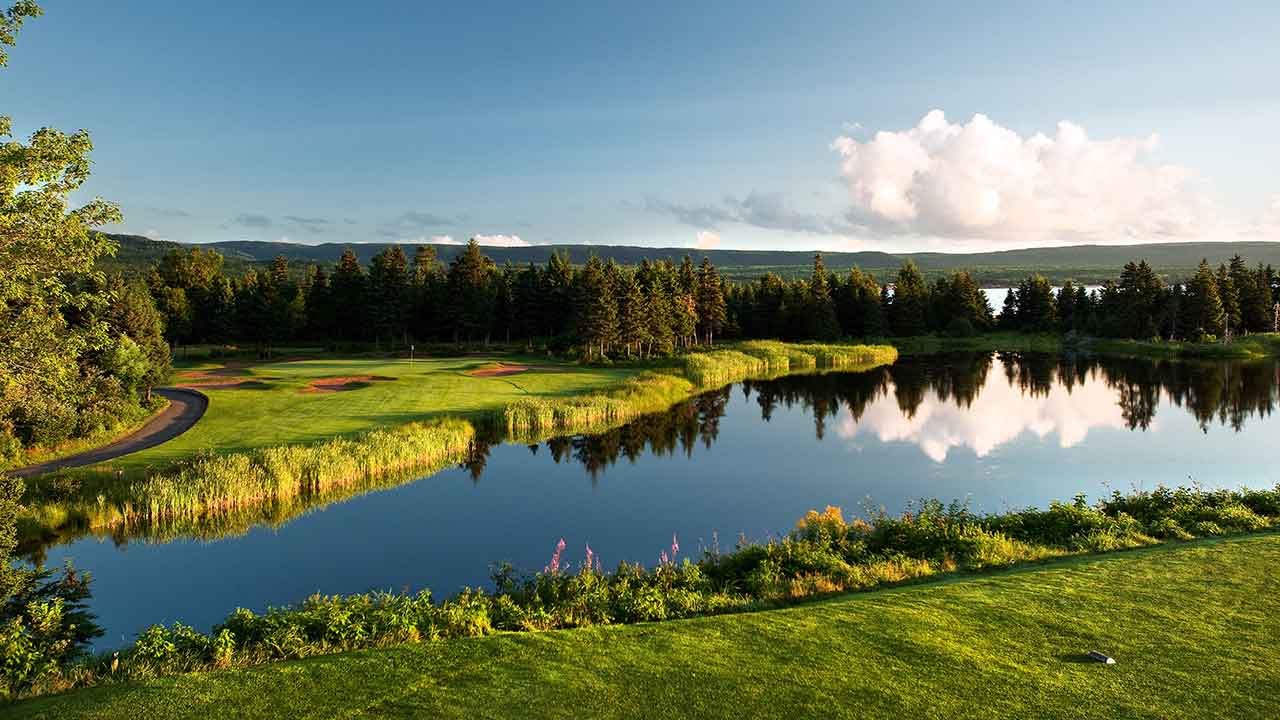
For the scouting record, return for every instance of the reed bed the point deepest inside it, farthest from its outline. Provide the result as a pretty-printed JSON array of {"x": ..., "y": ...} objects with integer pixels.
[{"x": 273, "y": 480}]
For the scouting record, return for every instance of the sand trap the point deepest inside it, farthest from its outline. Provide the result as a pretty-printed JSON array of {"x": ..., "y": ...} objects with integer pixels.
[
  {"x": 208, "y": 382},
  {"x": 343, "y": 384},
  {"x": 498, "y": 371}
]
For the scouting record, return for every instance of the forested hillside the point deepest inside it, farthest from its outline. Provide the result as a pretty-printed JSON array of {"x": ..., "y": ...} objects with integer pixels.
[{"x": 1086, "y": 264}]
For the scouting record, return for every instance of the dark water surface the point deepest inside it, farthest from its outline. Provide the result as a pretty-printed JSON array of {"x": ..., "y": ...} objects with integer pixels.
[{"x": 998, "y": 431}]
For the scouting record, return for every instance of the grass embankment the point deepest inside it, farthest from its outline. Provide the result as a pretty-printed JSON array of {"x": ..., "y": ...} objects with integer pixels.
[
  {"x": 269, "y": 447},
  {"x": 1193, "y": 628},
  {"x": 669, "y": 383},
  {"x": 1251, "y": 347}
]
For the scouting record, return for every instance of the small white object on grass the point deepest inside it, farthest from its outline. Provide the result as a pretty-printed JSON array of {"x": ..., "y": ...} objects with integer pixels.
[{"x": 1104, "y": 659}]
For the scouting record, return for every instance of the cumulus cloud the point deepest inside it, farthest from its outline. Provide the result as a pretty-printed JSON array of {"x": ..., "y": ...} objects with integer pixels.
[
  {"x": 251, "y": 220},
  {"x": 501, "y": 240},
  {"x": 1267, "y": 225},
  {"x": 980, "y": 180},
  {"x": 758, "y": 209},
  {"x": 707, "y": 240},
  {"x": 487, "y": 240}
]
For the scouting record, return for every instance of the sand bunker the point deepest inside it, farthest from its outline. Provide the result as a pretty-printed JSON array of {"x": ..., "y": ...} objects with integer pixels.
[
  {"x": 208, "y": 382},
  {"x": 498, "y": 370},
  {"x": 343, "y": 384}
]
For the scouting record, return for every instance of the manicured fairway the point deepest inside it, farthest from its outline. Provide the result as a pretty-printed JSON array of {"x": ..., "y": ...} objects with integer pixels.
[
  {"x": 271, "y": 406},
  {"x": 1193, "y": 626}
]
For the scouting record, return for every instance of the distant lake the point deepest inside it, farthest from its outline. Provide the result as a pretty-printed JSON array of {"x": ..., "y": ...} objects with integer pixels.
[
  {"x": 996, "y": 430},
  {"x": 997, "y": 295}
]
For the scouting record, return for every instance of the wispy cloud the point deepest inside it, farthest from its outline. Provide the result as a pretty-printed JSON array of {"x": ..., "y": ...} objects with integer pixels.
[
  {"x": 170, "y": 212},
  {"x": 313, "y": 225},
  {"x": 252, "y": 220},
  {"x": 758, "y": 209}
]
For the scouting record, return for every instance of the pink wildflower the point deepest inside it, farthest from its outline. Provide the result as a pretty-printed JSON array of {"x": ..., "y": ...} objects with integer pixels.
[
  {"x": 662, "y": 557},
  {"x": 590, "y": 556},
  {"x": 554, "y": 567},
  {"x": 675, "y": 547}
]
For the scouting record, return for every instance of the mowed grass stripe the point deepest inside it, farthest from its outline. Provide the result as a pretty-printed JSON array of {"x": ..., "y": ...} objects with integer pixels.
[{"x": 1193, "y": 627}]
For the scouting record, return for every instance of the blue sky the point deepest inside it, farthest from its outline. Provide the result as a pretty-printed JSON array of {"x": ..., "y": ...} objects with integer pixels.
[{"x": 668, "y": 124}]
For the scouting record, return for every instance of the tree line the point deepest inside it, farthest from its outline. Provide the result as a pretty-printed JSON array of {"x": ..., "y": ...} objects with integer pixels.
[{"x": 604, "y": 310}]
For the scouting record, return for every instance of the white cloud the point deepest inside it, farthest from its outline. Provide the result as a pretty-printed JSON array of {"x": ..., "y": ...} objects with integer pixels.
[
  {"x": 999, "y": 414},
  {"x": 487, "y": 240},
  {"x": 707, "y": 240},
  {"x": 983, "y": 181},
  {"x": 501, "y": 240},
  {"x": 1267, "y": 225}
]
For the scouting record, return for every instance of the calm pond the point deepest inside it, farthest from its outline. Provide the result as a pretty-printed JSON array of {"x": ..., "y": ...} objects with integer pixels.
[{"x": 997, "y": 431}]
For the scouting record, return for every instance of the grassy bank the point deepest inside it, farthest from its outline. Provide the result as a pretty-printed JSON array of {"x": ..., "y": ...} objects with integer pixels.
[
  {"x": 824, "y": 554},
  {"x": 229, "y": 488},
  {"x": 1252, "y": 347},
  {"x": 680, "y": 378},
  {"x": 1008, "y": 644},
  {"x": 124, "y": 427}
]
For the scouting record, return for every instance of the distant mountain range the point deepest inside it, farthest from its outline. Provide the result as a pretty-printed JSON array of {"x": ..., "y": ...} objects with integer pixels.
[{"x": 1083, "y": 263}]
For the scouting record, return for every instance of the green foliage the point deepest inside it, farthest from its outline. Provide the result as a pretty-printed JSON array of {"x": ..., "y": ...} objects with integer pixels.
[{"x": 824, "y": 554}]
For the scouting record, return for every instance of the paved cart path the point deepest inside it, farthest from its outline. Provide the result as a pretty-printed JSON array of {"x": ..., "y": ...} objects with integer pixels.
[{"x": 185, "y": 408}]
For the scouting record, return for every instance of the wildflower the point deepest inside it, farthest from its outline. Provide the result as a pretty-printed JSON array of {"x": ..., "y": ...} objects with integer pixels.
[
  {"x": 554, "y": 567},
  {"x": 662, "y": 557},
  {"x": 590, "y": 556},
  {"x": 675, "y": 547}
]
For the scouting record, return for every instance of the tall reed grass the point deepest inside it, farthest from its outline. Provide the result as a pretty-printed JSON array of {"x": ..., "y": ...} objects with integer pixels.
[{"x": 278, "y": 481}]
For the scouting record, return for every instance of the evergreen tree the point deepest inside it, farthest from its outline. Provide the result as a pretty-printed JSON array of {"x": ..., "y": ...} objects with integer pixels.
[
  {"x": 389, "y": 296},
  {"x": 633, "y": 314},
  {"x": 910, "y": 299},
  {"x": 597, "y": 322},
  {"x": 1202, "y": 309},
  {"x": 1067, "y": 319},
  {"x": 471, "y": 293},
  {"x": 1230, "y": 296},
  {"x": 1037, "y": 309},
  {"x": 821, "y": 321},
  {"x": 349, "y": 286},
  {"x": 709, "y": 297}
]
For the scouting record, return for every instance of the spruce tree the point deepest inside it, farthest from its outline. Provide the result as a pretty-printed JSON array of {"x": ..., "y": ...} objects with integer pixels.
[
  {"x": 909, "y": 301},
  {"x": 709, "y": 296},
  {"x": 822, "y": 323}
]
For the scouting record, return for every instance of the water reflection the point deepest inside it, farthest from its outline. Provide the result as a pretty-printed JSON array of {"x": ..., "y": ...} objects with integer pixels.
[{"x": 977, "y": 401}]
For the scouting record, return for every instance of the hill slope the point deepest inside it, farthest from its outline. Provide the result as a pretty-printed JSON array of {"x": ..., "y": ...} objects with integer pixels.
[{"x": 1084, "y": 263}]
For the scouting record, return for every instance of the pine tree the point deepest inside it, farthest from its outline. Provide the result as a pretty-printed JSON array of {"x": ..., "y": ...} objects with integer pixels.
[
  {"x": 1202, "y": 310},
  {"x": 389, "y": 296},
  {"x": 910, "y": 299},
  {"x": 1067, "y": 307},
  {"x": 349, "y": 285},
  {"x": 597, "y": 321},
  {"x": 1230, "y": 296},
  {"x": 709, "y": 297},
  {"x": 634, "y": 316},
  {"x": 822, "y": 323},
  {"x": 471, "y": 293}
]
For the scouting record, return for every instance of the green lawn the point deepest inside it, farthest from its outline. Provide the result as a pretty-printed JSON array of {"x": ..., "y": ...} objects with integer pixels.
[
  {"x": 277, "y": 411},
  {"x": 1194, "y": 628}
]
